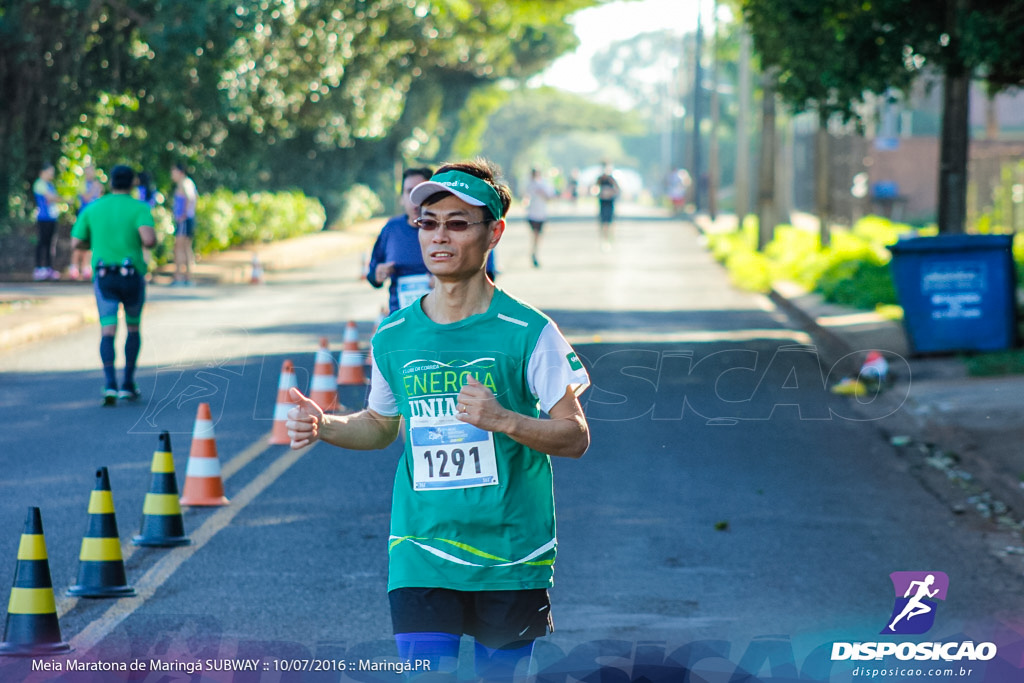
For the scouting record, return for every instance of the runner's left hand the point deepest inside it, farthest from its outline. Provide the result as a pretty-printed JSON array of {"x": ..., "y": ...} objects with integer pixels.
[{"x": 478, "y": 406}]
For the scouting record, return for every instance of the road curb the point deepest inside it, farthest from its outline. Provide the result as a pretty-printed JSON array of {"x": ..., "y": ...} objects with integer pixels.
[
  {"x": 834, "y": 349},
  {"x": 45, "y": 324}
]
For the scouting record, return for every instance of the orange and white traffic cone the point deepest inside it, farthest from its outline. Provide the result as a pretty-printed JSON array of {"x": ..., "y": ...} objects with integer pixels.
[
  {"x": 101, "y": 565},
  {"x": 32, "y": 628},
  {"x": 203, "y": 484},
  {"x": 279, "y": 433},
  {"x": 350, "y": 369},
  {"x": 323, "y": 389}
]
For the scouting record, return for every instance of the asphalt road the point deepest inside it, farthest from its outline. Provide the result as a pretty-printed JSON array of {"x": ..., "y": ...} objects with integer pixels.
[{"x": 730, "y": 512}]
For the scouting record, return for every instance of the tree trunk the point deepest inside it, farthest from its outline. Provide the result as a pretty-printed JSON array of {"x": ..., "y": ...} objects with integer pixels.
[
  {"x": 822, "y": 180},
  {"x": 785, "y": 163},
  {"x": 955, "y": 135},
  {"x": 766, "y": 210},
  {"x": 991, "y": 118}
]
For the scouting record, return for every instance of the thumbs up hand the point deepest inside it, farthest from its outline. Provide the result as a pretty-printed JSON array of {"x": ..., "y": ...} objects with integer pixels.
[{"x": 304, "y": 420}]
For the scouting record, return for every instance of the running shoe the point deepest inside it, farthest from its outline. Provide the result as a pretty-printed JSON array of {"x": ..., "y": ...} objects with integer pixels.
[
  {"x": 73, "y": 273},
  {"x": 39, "y": 274},
  {"x": 109, "y": 397},
  {"x": 52, "y": 274},
  {"x": 129, "y": 392}
]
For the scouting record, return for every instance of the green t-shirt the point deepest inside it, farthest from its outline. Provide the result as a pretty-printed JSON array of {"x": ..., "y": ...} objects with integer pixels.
[
  {"x": 469, "y": 513},
  {"x": 111, "y": 226}
]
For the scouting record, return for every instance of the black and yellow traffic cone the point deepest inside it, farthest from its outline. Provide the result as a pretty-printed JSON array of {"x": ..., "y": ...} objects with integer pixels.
[
  {"x": 100, "y": 564},
  {"x": 32, "y": 628},
  {"x": 162, "y": 523}
]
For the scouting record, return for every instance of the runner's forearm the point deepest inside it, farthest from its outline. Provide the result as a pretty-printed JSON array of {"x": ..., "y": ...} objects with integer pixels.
[
  {"x": 362, "y": 431},
  {"x": 566, "y": 437}
]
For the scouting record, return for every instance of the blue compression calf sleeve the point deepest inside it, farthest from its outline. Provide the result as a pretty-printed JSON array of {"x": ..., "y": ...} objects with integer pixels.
[
  {"x": 500, "y": 665},
  {"x": 132, "y": 345},
  {"x": 107, "y": 355},
  {"x": 429, "y": 652}
]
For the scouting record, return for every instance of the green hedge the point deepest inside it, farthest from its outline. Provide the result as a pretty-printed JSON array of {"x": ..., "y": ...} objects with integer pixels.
[
  {"x": 226, "y": 219},
  {"x": 853, "y": 270}
]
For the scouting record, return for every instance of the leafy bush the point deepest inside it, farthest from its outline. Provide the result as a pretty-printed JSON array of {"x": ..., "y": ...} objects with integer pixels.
[
  {"x": 1018, "y": 257},
  {"x": 861, "y": 284},
  {"x": 358, "y": 203},
  {"x": 853, "y": 270},
  {"x": 226, "y": 219}
]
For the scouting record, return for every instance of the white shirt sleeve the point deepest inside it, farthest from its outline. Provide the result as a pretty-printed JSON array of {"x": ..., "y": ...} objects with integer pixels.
[
  {"x": 381, "y": 399},
  {"x": 553, "y": 368}
]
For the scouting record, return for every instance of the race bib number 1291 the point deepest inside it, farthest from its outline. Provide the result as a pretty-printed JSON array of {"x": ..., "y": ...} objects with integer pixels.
[{"x": 450, "y": 454}]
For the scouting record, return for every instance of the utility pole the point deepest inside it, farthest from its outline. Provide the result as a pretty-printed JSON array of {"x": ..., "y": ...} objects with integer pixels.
[
  {"x": 679, "y": 150},
  {"x": 713, "y": 171},
  {"x": 698, "y": 77},
  {"x": 743, "y": 130}
]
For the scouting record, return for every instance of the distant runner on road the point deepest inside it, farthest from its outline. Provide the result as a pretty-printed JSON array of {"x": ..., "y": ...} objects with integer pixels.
[
  {"x": 466, "y": 371},
  {"x": 538, "y": 192},
  {"x": 607, "y": 189}
]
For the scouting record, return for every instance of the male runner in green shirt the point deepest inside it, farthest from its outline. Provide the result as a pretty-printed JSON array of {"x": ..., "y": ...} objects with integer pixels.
[
  {"x": 116, "y": 227},
  {"x": 466, "y": 371}
]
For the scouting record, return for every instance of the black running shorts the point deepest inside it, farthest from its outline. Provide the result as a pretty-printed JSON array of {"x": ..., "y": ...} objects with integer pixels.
[{"x": 497, "y": 619}]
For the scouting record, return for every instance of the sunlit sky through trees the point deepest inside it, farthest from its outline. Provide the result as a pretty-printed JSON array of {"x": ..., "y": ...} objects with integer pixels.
[{"x": 599, "y": 27}]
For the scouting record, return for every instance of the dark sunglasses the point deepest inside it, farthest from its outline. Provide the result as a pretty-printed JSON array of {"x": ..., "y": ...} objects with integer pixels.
[{"x": 458, "y": 225}]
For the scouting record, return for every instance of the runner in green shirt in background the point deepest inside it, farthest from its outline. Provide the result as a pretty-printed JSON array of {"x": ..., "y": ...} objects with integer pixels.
[
  {"x": 466, "y": 371},
  {"x": 116, "y": 227}
]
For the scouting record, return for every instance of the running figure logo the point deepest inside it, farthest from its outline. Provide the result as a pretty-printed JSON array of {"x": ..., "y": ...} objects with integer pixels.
[{"x": 914, "y": 610}]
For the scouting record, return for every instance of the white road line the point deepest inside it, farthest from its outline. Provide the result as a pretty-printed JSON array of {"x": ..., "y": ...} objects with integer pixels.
[{"x": 158, "y": 574}]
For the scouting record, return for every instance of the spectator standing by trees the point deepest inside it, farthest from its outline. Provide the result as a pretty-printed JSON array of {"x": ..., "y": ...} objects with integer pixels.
[
  {"x": 90, "y": 191},
  {"x": 47, "y": 213},
  {"x": 184, "y": 211}
]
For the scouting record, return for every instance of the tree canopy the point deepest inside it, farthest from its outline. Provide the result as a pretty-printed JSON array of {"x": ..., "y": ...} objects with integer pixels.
[
  {"x": 828, "y": 53},
  {"x": 257, "y": 93}
]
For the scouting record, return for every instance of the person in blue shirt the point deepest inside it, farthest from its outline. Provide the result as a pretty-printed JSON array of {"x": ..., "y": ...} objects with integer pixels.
[
  {"x": 396, "y": 255},
  {"x": 47, "y": 212}
]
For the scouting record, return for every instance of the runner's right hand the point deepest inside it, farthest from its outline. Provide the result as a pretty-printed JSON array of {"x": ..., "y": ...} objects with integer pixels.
[{"x": 304, "y": 420}]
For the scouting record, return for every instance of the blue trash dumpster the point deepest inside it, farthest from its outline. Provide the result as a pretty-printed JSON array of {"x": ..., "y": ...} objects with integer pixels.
[{"x": 958, "y": 292}]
